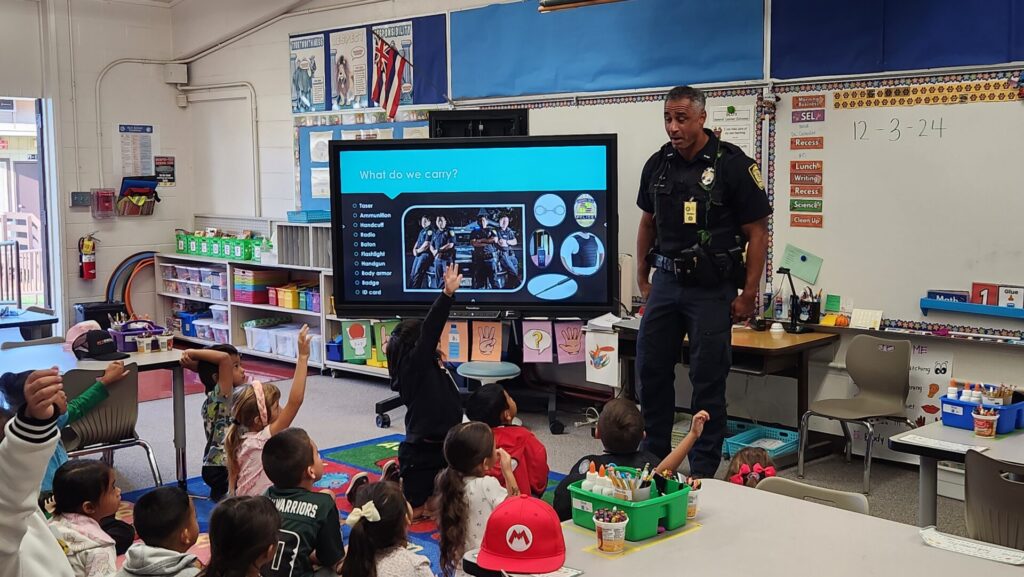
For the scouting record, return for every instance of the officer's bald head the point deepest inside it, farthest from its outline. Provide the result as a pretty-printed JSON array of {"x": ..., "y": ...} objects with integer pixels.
[{"x": 694, "y": 95}]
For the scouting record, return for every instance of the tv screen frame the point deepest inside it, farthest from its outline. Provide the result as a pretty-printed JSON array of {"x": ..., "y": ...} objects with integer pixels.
[{"x": 463, "y": 307}]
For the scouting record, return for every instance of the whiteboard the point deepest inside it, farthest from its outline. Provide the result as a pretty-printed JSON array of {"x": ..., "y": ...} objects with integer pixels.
[
  {"x": 913, "y": 198},
  {"x": 641, "y": 132}
]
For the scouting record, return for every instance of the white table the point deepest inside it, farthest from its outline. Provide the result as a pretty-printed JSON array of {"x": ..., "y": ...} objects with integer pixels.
[
  {"x": 46, "y": 356},
  {"x": 1009, "y": 448},
  {"x": 746, "y": 531}
]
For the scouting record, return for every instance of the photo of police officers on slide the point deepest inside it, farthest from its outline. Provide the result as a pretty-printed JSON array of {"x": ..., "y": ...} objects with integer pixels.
[{"x": 485, "y": 242}]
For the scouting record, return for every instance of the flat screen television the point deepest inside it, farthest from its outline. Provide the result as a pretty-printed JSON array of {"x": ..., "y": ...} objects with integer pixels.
[{"x": 531, "y": 223}]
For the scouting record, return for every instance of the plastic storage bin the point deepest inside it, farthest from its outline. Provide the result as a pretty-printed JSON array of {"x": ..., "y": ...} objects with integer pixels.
[
  {"x": 167, "y": 271},
  {"x": 734, "y": 428},
  {"x": 188, "y": 321},
  {"x": 259, "y": 339},
  {"x": 957, "y": 413},
  {"x": 755, "y": 437},
  {"x": 667, "y": 510},
  {"x": 220, "y": 332},
  {"x": 204, "y": 329},
  {"x": 134, "y": 329},
  {"x": 220, "y": 314},
  {"x": 334, "y": 352},
  {"x": 288, "y": 297}
]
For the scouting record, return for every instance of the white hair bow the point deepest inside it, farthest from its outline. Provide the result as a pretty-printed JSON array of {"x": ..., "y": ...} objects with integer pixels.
[{"x": 368, "y": 511}]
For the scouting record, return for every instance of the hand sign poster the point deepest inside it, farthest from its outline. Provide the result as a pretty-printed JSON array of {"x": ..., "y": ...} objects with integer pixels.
[
  {"x": 486, "y": 341},
  {"x": 357, "y": 339},
  {"x": 569, "y": 342},
  {"x": 602, "y": 358},
  {"x": 537, "y": 341}
]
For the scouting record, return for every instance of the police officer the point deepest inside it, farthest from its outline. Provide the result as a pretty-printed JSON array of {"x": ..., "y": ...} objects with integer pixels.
[
  {"x": 442, "y": 245},
  {"x": 423, "y": 258},
  {"x": 506, "y": 253},
  {"x": 703, "y": 205},
  {"x": 484, "y": 242}
]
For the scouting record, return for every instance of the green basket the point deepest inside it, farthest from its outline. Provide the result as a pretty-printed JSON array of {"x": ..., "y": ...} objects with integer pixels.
[
  {"x": 667, "y": 510},
  {"x": 181, "y": 241},
  {"x": 193, "y": 244}
]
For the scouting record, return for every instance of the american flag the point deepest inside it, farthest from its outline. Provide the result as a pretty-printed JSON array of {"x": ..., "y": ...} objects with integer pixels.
[{"x": 387, "y": 77}]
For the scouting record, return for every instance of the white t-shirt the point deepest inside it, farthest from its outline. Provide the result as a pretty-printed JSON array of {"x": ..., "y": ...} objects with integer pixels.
[
  {"x": 401, "y": 562},
  {"x": 483, "y": 495}
]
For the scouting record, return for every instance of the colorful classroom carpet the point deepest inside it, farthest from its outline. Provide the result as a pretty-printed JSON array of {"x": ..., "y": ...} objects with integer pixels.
[{"x": 340, "y": 463}]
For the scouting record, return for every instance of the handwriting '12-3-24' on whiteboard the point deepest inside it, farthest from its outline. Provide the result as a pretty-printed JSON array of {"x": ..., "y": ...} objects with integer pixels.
[{"x": 898, "y": 129}]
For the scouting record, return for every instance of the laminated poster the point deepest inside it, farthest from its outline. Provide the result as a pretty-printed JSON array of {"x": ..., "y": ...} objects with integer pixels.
[
  {"x": 602, "y": 351},
  {"x": 569, "y": 342},
  {"x": 357, "y": 340},
  {"x": 537, "y": 341},
  {"x": 381, "y": 334},
  {"x": 349, "y": 69},
  {"x": 308, "y": 65},
  {"x": 487, "y": 343},
  {"x": 455, "y": 341}
]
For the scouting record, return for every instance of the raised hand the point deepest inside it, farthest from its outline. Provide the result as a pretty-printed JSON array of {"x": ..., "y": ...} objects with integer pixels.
[
  {"x": 452, "y": 279},
  {"x": 304, "y": 341},
  {"x": 44, "y": 393}
]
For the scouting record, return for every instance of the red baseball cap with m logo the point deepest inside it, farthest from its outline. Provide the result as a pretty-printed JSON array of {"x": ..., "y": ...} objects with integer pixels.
[{"x": 523, "y": 535}]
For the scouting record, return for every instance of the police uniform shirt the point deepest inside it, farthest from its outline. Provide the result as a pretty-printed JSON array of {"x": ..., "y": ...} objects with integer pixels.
[
  {"x": 483, "y": 234},
  {"x": 426, "y": 235},
  {"x": 507, "y": 235},
  {"x": 737, "y": 179},
  {"x": 309, "y": 523},
  {"x": 441, "y": 238}
]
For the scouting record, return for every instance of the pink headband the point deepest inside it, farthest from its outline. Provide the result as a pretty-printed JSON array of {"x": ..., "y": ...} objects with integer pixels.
[{"x": 261, "y": 401}]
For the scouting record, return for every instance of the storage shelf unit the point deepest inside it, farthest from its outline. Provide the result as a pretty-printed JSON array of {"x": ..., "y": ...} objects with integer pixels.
[{"x": 970, "y": 308}]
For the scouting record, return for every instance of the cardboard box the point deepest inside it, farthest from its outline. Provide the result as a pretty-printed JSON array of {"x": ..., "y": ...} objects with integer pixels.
[
  {"x": 984, "y": 293},
  {"x": 1011, "y": 297}
]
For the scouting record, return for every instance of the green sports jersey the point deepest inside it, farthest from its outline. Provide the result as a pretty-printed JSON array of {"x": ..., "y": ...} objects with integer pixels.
[{"x": 309, "y": 523}]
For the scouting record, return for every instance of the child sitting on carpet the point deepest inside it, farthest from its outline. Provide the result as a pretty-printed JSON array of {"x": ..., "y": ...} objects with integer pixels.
[
  {"x": 165, "y": 519},
  {"x": 85, "y": 492},
  {"x": 492, "y": 405},
  {"x": 220, "y": 370},
  {"x": 377, "y": 544},
  {"x": 256, "y": 418},
  {"x": 243, "y": 538},
  {"x": 749, "y": 465},
  {"x": 466, "y": 495},
  {"x": 310, "y": 524},
  {"x": 433, "y": 406}
]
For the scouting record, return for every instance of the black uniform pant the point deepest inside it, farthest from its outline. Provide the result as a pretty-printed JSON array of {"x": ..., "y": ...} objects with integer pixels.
[
  {"x": 419, "y": 462},
  {"x": 440, "y": 267},
  {"x": 483, "y": 271},
  {"x": 704, "y": 315},
  {"x": 420, "y": 266}
]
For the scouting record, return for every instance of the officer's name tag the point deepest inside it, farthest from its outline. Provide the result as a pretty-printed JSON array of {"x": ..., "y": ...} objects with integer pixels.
[{"x": 690, "y": 212}]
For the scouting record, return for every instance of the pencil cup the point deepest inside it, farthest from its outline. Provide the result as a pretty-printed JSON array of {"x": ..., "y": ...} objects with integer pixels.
[
  {"x": 692, "y": 503},
  {"x": 611, "y": 537},
  {"x": 165, "y": 342},
  {"x": 143, "y": 344},
  {"x": 641, "y": 494},
  {"x": 985, "y": 426}
]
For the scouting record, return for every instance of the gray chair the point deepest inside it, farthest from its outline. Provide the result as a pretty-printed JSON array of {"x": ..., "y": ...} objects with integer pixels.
[
  {"x": 111, "y": 425},
  {"x": 37, "y": 332},
  {"x": 854, "y": 502},
  {"x": 881, "y": 370},
  {"x": 994, "y": 500},
  {"x": 18, "y": 344}
]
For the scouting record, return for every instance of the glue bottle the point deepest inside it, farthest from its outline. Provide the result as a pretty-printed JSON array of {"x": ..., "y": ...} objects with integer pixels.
[
  {"x": 588, "y": 483},
  {"x": 952, "y": 391}
]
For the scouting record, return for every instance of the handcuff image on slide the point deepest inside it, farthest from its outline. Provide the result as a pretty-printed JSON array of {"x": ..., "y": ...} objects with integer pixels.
[
  {"x": 542, "y": 248},
  {"x": 549, "y": 210},
  {"x": 582, "y": 253}
]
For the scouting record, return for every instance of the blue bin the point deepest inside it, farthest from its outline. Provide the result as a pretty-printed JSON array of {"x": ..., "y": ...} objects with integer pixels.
[
  {"x": 334, "y": 352},
  {"x": 790, "y": 440},
  {"x": 188, "y": 329},
  {"x": 957, "y": 413}
]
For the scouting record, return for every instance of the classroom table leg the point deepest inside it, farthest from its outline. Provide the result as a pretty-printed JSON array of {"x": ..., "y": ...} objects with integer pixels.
[
  {"x": 928, "y": 491},
  {"x": 178, "y": 396}
]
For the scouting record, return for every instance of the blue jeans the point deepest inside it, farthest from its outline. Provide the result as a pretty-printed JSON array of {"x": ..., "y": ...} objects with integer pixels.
[
  {"x": 420, "y": 265},
  {"x": 674, "y": 311}
]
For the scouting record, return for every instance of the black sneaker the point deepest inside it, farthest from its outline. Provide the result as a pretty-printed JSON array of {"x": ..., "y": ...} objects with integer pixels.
[
  {"x": 390, "y": 471},
  {"x": 358, "y": 481}
]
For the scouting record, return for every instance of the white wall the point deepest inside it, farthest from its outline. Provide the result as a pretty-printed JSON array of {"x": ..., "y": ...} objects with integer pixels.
[
  {"x": 20, "y": 60},
  {"x": 197, "y": 23}
]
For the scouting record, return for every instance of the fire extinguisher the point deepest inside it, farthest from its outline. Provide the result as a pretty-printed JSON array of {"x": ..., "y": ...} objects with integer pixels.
[{"x": 87, "y": 257}]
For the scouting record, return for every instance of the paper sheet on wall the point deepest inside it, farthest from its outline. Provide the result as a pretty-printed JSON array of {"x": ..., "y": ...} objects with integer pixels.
[
  {"x": 320, "y": 182},
  {"x": 737, "y": 125},
  {"x": 368, "y": 134},
  {"x": 455, "y": 341},
  {"x": 931, "y": 367},
  {"x": 134, "y": 146},
  {"x": 416, "y": 132},
  {"x": 357, "y": 340},
  {"x": 537, "y": 341},
  {"x": 319, "y": 146},
  {"x": 802, "y": 264},
  {"x": 569, "y": 342},
  {"x": 349, "y": 67},
  {"x": 603, "y": 358},
  {"x": 487, "y": 341},
  {"x": 308, "y": 65}
]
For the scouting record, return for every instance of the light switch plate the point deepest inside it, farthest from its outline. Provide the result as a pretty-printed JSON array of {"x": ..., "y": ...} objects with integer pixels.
[{"x": 81, "y": 199}]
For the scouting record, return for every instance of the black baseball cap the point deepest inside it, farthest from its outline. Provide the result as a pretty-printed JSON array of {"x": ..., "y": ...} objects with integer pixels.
[{"x": 97, "y": 345}]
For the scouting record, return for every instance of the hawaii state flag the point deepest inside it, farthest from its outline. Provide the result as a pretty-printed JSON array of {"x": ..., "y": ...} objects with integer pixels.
[{"x": 387, "y": 77}]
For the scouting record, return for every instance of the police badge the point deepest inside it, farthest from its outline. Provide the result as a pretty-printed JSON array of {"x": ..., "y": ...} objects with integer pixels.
[{"x": 707, "y": 178}]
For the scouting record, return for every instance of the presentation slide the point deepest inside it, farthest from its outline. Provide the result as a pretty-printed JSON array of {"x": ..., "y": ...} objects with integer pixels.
[{"x": 523, "y": 224}]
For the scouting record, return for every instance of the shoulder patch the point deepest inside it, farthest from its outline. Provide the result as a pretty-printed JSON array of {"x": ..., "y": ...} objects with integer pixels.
[
  {"x": 584, "y": 467},
  {"x": 755, "y": 173}
]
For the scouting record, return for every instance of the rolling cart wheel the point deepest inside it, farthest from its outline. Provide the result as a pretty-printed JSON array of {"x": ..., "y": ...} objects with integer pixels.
[
  {"x": 556, "y": 427},
  {"x": 383, "y": 421}
]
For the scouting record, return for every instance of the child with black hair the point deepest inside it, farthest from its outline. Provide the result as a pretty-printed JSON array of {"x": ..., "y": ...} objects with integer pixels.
[
  {"x": 220, "y": 370},
  {"x": 310, "y": 524},
  {"x": 492, "y": 405},
  {"x": 431, "y": 398},
  {"x": 379, "y": 535},
  {"x": 84, "y": 493},
  {"x": 466, "y": 494},
  {"x": 165, "y": 520},
  {"x": 243, "y": 538}
]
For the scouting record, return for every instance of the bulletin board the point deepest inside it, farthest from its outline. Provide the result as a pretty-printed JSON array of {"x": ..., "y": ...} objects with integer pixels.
[
  {"x": 902, "y": 186},
  {"x": 638, "y": 121}
]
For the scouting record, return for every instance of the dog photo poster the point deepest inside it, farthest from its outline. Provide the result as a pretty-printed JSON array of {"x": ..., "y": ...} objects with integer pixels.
[
  {"x": 349, "y": 67},
  {"x": 308, "y": 62}
]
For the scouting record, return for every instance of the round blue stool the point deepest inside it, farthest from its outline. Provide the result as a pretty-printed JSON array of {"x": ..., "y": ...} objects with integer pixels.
[{"x": 488, "y": 372}]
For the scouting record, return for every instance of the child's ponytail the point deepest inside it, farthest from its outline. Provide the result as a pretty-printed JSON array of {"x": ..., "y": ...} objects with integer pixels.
[
  {"x": 466, "y": 448},
  {"x": 379, "y": 522}
]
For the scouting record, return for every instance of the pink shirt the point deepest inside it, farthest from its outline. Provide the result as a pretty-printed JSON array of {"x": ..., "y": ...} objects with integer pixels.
[{"x": 252, "y": 480}]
